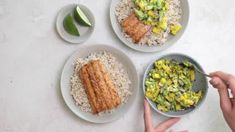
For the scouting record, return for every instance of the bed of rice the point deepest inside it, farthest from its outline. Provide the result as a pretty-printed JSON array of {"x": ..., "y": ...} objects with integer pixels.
[
  {"x": 117, "y": 73},
  {"x": 125, "y": 8}
]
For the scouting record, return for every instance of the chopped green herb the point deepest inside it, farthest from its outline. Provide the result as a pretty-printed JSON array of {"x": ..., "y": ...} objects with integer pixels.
[{"x": 169, "y": 85}]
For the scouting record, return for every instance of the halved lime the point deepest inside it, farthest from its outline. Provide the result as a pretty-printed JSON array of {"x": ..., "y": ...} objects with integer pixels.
[
  {"x": 80, "y": 17},
  {"x": 70, "y": 26}
]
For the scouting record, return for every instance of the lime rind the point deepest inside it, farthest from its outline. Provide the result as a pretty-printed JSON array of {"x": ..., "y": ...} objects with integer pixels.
[
  {"x": 70, "y": 26},
  {"x": 80, "y": 17}
]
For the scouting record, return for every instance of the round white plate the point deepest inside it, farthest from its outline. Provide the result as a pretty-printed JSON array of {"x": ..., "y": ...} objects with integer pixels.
[
  {"x": 66, "y": 85},
  {"x": 85, "y": 32},
  {"x": 144, "y": 48}
]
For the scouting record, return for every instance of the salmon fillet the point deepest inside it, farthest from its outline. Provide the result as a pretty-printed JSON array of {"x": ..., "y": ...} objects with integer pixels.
[
  {"x": 88, "y": 89},
  {"x": 130, "y": 21},
  {"x": 116, "y": 100},
  {"x": 97, "y": 89},
  {"x": 142, "y": 30},
  {"x": 107, "y": 100},
  {"x": 134, "y": 28},
  {"x": 100, "y": 90}
]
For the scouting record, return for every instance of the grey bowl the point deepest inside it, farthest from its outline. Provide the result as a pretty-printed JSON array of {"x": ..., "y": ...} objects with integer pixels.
[{"x": 201, "y": 83}]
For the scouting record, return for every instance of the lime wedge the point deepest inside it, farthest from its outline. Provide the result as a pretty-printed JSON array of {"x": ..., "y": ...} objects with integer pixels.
[
  {"x": 80, "y": 17},
  {"x": 69, "y": 25}
]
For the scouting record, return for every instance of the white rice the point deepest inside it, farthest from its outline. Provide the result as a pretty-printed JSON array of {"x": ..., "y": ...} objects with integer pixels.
[
  {"x": 117, "y": 73},
  {"x": 125, "y": 8}
]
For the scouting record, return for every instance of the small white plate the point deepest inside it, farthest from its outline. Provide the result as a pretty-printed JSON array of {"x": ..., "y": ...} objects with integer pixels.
[
  {"x": 145, "y": 48},
  {"x": 85, "y": 32},
  {"x": 66, "y": 85}
]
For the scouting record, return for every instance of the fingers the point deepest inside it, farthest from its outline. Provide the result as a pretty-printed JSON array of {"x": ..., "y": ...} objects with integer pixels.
[
  {"x": 166, "y": 124},
  {"x": 227, "y": 78},
  {"x": 178, "y": 131},
  {"x": 233, "y": 101},
  {"x": 225, "y": 102},
  {"x": 147, "y": 115},
  {"x": 148, "y": 120},
  {"x": 220, "y": 74}
]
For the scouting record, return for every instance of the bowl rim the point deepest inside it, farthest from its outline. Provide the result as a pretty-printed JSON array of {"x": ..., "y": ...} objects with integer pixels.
[{"x": 145, "y": 75}]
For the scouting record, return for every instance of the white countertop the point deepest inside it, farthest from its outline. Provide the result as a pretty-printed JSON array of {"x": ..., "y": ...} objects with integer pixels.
[{"x": 32, "y": 56}]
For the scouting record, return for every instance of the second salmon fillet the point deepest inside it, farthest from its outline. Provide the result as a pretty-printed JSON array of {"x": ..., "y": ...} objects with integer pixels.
[{"x": 134, "y": 28}]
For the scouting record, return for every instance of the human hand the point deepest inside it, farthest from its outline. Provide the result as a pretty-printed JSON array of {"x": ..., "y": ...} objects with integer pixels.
[
  {"x": 223, "y": 81},
  {"x": 162, "y": 127}
]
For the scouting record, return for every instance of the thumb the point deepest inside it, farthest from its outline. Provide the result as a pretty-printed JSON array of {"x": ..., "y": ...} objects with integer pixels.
[
  {"x": 225, "y": 102},
  {"x": 147, "y": 115}
]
